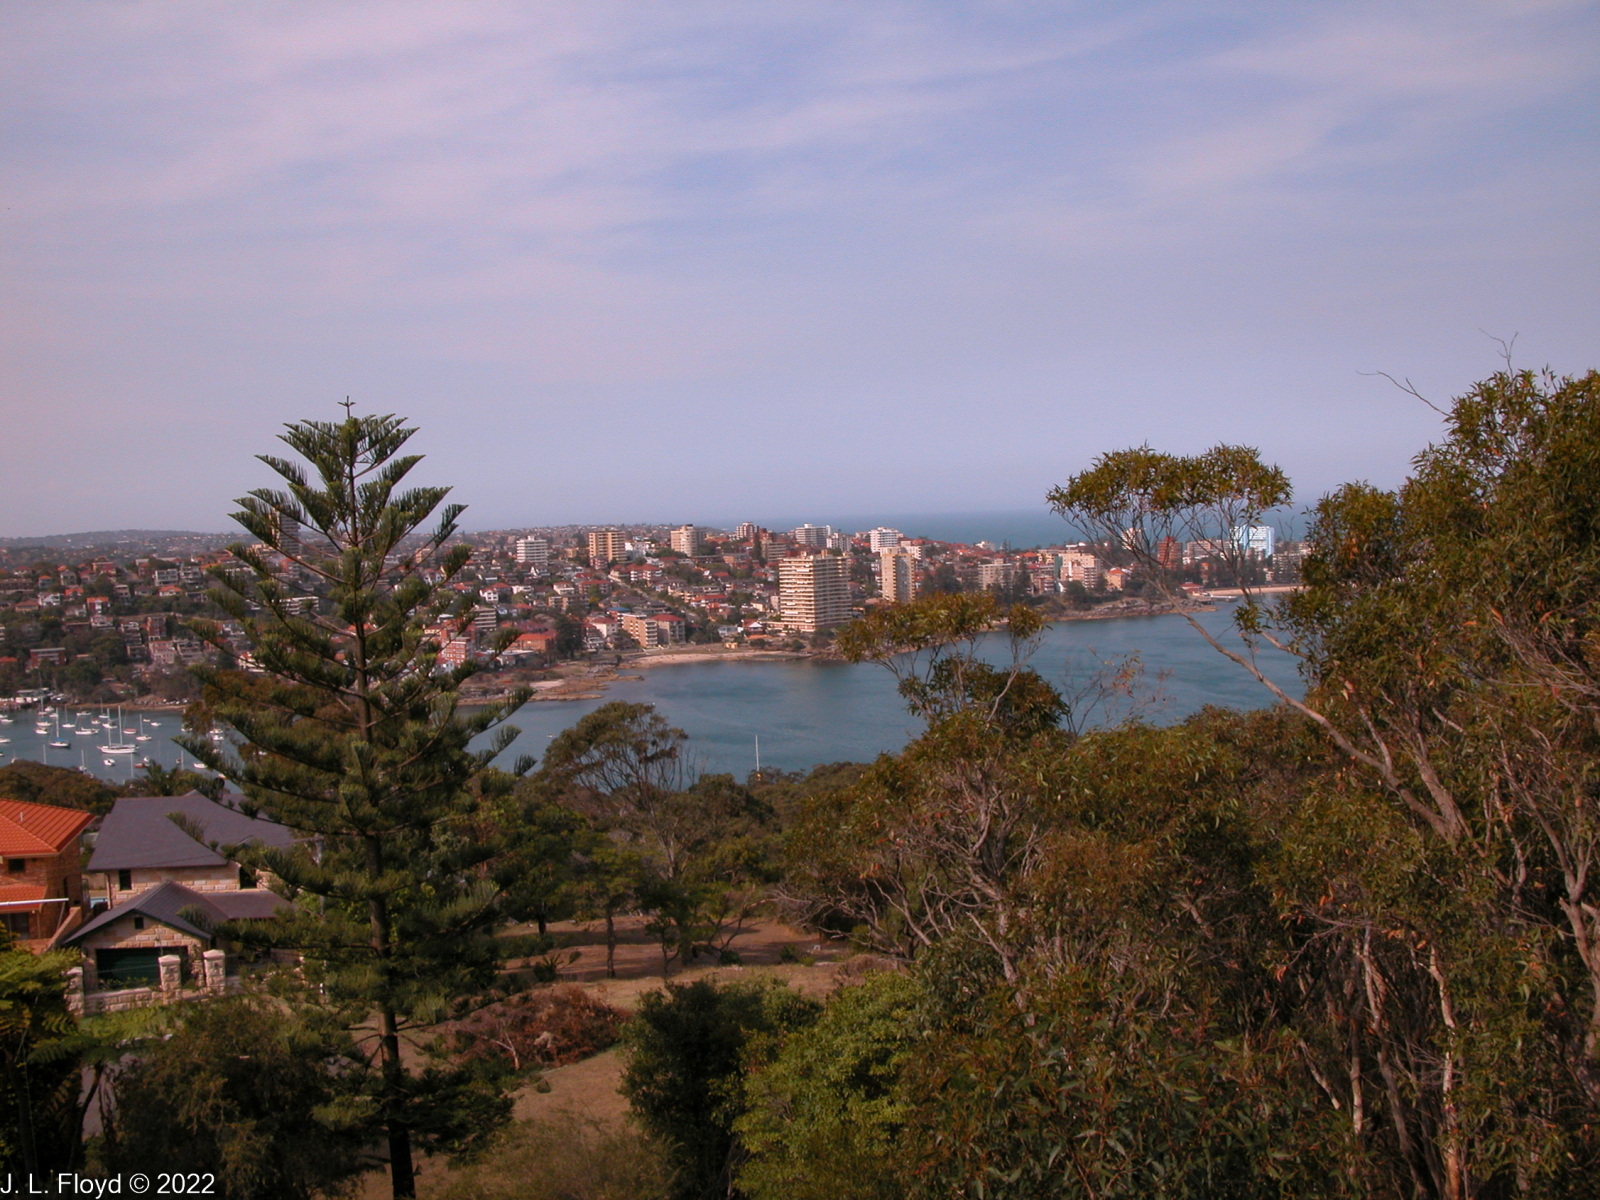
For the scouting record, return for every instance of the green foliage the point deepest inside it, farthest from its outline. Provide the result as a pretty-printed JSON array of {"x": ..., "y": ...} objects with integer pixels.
[
  {"x": 1449, "y": 635},
  {"x": 156, "y": 780},
  {"x": 930, "y": 644},
  {"x": 241, "y": 1089},
  {"x": 825, "y": 1120},
  {"x": 692, "y": 852},
  {"x": 354, "y": 738},
  {"x": 40, "y": 1064},
  {"x": 1093, "y": 1093},
  {"x": 1133, "y": 498},
  {"x": 37, "y": 783},
  {"x": 690, "y": 1047}
]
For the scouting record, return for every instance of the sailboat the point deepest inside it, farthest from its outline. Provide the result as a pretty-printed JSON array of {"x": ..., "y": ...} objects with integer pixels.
[
  {"x": 117, "y": 746},
  {"x": 60, "y": 743}
]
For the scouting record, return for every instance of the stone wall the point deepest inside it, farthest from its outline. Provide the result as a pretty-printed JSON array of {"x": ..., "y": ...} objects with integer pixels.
[
  {"x": 212, "y": 977},
  {"x": 222, "y": 878}
]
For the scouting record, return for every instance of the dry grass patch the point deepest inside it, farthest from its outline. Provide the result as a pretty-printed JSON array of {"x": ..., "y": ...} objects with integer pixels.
[{"x": 561, "y": 1157}]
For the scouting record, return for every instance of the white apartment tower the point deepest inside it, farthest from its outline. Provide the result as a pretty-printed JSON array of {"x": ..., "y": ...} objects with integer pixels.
[
  {"x": 813, "y": 592},
  {"x": 288, "y": 531},
  {"x": 686, "y": 540},
  {"x": 813, "y": 535},
  {"x": 1255, "y": 539},
  {"x": 881, "y": 540},
  {"x": 898, "y": 581},
  {"x": 533, "y": 552}
]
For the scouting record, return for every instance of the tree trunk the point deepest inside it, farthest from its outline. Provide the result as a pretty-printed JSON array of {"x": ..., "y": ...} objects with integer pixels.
[{"x": 611, "y": 945}]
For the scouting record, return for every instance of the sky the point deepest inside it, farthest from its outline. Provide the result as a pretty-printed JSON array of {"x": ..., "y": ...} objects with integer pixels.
[{"x": 707, "y": 261}]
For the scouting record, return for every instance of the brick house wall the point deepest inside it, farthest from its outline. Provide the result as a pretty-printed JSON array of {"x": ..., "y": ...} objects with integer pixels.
[{"x": 58, "y": 875}]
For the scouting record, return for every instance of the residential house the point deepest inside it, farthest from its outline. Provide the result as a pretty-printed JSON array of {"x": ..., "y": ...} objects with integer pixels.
[
  {"x": 161, "y": 887},
  {"x": 42, "y": 888}
]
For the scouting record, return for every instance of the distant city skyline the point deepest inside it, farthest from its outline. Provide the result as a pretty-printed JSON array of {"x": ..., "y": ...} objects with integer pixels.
[{"x": 714, "y": 260}]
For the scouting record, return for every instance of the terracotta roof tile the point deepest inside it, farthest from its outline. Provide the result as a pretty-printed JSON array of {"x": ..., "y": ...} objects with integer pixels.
[
  {"x": 38, "y": 828},
  {"x": 15, "y": 895}
]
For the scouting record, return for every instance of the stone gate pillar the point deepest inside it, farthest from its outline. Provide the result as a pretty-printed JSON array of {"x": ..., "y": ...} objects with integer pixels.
[
  {"x": 216, "y": 967},
  {"x": 75, "y": 990},
  {"x": 171, "y": 973}
]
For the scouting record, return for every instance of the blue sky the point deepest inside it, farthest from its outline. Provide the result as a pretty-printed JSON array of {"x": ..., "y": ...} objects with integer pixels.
[{"x": 697, "y": 260}]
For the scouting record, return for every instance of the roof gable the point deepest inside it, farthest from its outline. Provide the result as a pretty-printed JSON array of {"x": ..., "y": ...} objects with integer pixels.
[
  {"x": 162, "y": 903},
  {"x": 166, "y": 901}
]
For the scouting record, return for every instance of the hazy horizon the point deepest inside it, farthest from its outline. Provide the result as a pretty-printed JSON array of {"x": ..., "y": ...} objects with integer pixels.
[{"x": 712, "y": 258}]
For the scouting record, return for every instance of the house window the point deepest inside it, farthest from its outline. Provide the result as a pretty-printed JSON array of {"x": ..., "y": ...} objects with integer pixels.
[
  {"x": 138, "y": 922},
  {"x": 125, "y": 881},
  {"x": 247, "y": 877},
  {"x": 16, "y": 865}
]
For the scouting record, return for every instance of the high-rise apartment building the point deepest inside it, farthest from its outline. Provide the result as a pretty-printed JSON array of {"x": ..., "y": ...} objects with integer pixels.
[
  {"x": 1080, "y": 567},
  {"x": 997, "y": 574},
  {"x": 813, "y": 535},
  {"x": 289, "y": 540},
  {"x": 745, "y": 531},
  {"x": 813, "y": 592},
  {"x": 533, "y": 552},
  {"x": 1255, "y": 539},
  {"x": 686, "y": 540},
  {"x": 1169, "y": 553},
  {"x": 898, "y": 581},
  {"x": 606, "y": 546},
  {"x": 882, "y": 539}
]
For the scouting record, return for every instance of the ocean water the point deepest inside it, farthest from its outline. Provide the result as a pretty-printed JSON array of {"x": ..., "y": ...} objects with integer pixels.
[
  {"x": 1021, "y": 529},
  {"x": 804, "y": 713}
]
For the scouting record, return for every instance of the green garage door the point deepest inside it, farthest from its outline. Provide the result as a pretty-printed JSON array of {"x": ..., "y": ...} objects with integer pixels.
[{"x": 132, "y": 968}]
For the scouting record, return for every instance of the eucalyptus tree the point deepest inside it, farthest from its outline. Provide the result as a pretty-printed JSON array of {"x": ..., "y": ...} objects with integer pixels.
[
  {"x": 347, "y": 729},
  {"x": 1448, "y": 636}
]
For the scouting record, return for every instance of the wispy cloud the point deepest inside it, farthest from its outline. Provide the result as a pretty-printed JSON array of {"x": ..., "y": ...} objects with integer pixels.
[{"x": 718, "y": 209}]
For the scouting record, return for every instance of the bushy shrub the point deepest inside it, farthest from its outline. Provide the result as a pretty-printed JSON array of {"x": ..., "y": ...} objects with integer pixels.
[
  {"x": 246, "y": 1091},
  {"x": 824, "y": 1120},
  {"x": 691, "y": 1046}
]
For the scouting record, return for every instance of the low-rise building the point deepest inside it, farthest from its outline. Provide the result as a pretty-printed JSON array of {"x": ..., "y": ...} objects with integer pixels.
[
  {"x": 42, "y": 887},
  {"x": 150, "y": 876},
  {"x": 651, "y": 630}
]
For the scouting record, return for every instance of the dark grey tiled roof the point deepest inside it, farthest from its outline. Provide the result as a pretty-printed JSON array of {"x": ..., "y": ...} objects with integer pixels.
[
  {"x": 166, "y": 901},
  {"x": 252, "y": 904},
  {"x": 137, "y": 832}
]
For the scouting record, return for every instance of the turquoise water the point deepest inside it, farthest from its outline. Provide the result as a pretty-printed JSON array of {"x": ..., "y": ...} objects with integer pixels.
[{"x": 805, "y": 712}]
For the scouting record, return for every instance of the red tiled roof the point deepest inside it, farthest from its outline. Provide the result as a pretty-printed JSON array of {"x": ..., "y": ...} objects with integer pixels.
[
  {"x": 38, "y": 828},
  {"x": 16, "y": 897}
]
